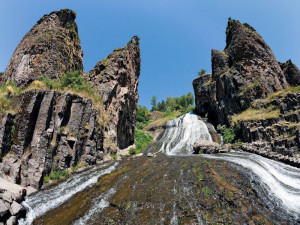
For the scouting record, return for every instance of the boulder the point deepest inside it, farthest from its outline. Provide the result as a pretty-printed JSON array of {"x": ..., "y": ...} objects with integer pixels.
[
  {"x": 3, "y": 209},
  {"x": 12, "y": 221},
  {"x": 207, "y": 147}
]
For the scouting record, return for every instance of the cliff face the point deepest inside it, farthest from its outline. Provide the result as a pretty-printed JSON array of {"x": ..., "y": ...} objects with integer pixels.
[
  {"x": 116, "y": 79},
  {"x": 55, "y": 130},
  {"x": 49, "y": 49},
  {"x": 250, "y": 87},
  {"x": 246, "y": 70},
  {"x": 50, "y": 131}
]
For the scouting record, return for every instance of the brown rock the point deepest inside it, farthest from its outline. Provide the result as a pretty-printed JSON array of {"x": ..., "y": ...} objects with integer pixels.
[
  {"x": 116, "y": 79},
  {"x": 49, "y": 49}
]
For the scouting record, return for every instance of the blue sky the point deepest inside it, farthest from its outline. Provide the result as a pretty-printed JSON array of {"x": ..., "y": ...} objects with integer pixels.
[{"x": 176, "y": 36}]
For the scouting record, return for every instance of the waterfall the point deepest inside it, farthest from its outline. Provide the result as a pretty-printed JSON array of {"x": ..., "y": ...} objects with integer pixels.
[{"x": 181, "y": 134}]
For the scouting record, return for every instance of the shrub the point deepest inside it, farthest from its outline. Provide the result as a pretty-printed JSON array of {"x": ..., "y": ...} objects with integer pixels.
[
  {"x": 142, "y": 140},
  {"x": 202, "y": 72},
  {"x": 230, "y": 134}
]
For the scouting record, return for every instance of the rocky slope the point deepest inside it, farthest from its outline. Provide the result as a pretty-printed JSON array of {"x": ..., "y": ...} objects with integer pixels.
[
  {"x": 49, "y": 49},
  {"x": 244, "y": 71},
  {"x": 116, "y": 80},
  {"x": 250, "y": 87}
]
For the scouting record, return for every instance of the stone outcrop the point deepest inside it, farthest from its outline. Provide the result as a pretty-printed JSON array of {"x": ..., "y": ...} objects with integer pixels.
[
  {"x": 208, "y": 147},
  {"x": 291, "y": 73},
  {"x": 49, "y": 49},
  {"x": 244, "y": 71},
  {"x": 50, "y": 131},
  {"x": 11, "y": 196},
  {"x": 116, "y": 79}
]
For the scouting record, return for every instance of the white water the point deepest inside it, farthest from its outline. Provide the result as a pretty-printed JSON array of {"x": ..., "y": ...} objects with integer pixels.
[
  {"x": 43, "y": 201},
  {"x": 98, "y": 205},
  {"x": 181, "y": 134},
  {"x": 280, "y": 182}
]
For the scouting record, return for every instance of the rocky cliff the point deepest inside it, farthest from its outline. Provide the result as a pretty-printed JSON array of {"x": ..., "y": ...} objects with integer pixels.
[
  {"x": 49, "y": 49},
  {"x": 116, "y": 80},
  {"x": 47, "y": 128},
  {"x": 249, "y": 87},
  {"x": 51, "y": 131},
  {"x": 244, "y": 71}
]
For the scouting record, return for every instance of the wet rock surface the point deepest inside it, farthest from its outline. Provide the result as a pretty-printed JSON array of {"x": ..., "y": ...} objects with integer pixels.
[
  {"x": 116, "y": 79},
  {"x": 50, "y": 49},
  {"x": 185, "y": 190}
]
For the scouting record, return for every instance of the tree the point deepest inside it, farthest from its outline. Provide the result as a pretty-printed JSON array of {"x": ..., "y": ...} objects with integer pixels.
[
  {"x": 153, "y": 102},
  {"x": 142, "y": 115},
  {"x": 202, "y": 72},
  {"x": 190, "y": 98}
]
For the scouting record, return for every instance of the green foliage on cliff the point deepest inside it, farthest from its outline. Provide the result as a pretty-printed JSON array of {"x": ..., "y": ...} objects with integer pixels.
[
  {"x": 202, "y": 72},
  {"x": 141, "y": 140},
  {"x": 230, "y": 134},
  {"x": 56, "y": 175}
]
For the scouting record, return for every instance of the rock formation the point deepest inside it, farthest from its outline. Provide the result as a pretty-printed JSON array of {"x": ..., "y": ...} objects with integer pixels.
[
  {"x": 52, "y": 131},
  {"x": 49, "y": 49},
  {"x": 291, "y": 73},
  {"x": 249, "y": 86},
  {"x": 246, "y": 70},
  {"x": 11, "y": 196},
  {"x": 116, "y": 79}
]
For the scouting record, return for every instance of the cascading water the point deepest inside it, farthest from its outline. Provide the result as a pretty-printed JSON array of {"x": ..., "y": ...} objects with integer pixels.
[
  {"x": 43, "y": 201},
  {"x": 275, "y": 182},
  {"x": 281, "y": 182},
  {"x": 181, "y": 134}
]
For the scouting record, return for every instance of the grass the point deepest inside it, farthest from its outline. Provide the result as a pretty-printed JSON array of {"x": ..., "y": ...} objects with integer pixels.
[
  {"x": 141, "y": 140},
  {"x": 56, "y": 175},
  {"x": 257, "y": 114},
  {"x": 282, "y": 92},
  {"x": 207, "y": 190}
]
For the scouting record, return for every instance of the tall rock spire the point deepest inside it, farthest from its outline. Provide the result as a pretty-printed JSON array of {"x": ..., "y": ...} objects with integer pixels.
[{"x": 49, "y": 49}]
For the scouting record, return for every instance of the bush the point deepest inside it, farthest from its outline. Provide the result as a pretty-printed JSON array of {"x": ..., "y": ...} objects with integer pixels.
[
  {"x": 202, "y": 72},
  {"x": 141, "y": 140},
  {"x": 231, "y": 134}
]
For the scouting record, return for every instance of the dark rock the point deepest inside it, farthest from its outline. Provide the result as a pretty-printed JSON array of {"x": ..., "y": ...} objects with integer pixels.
[
  {"x": 52, "y": 130},
  {"x": 49, "y": 49},
  {"x": 246, "y": 70},
  {"x": 116, "y": 79},
  {"x": 291, "y": 73}
]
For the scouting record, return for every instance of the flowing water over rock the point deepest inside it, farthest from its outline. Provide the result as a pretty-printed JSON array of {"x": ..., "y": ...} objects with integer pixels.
[{"x": 174, "y": 188}]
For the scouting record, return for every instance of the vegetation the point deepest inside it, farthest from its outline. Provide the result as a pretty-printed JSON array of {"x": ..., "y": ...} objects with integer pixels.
[
  {"x": 278, "y": 94},
  {"x": 153, "y": 103},
  {"x": 201, "y": 72},
  {"x": 184, "y": 104},
  {"x": 231, "y": 134},
  {"x": 257, "y": 114},
  {"x": 56, "y": 175},
  {"x": 141, "y": 140}
]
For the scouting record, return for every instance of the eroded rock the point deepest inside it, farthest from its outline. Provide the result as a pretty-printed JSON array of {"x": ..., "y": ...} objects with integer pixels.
[
  {"x": 49, "y": 49},
  {"x": 116, "y": 79}
]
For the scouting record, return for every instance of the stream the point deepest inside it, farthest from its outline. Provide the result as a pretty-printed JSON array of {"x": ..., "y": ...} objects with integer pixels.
[{"x": 174, "y": 187}]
